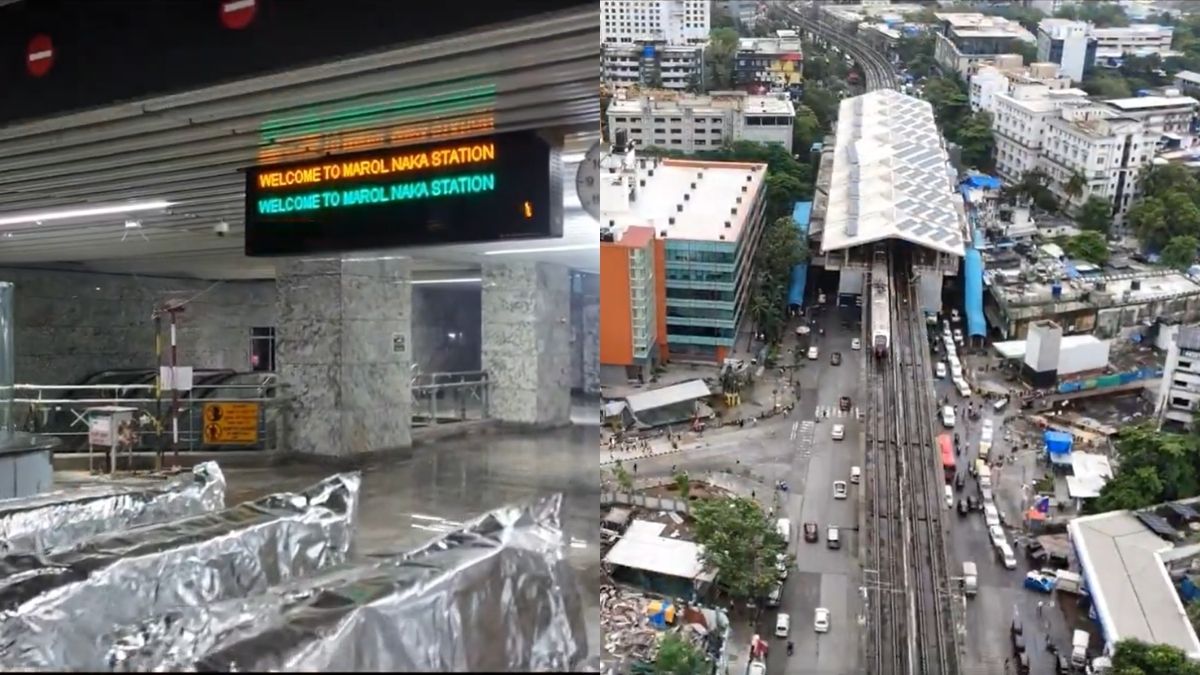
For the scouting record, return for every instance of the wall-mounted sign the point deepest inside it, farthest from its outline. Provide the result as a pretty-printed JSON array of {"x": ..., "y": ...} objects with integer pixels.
[
  {"x": 237, "y": 14},
  {"x": 454, "y": 192},
  {"x": 231, "y": 423},
  {"x": 39, "y": 55}
]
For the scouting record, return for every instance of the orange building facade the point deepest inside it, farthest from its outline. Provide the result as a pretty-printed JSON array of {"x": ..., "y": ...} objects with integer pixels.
[{"x": 633, "y": 326}]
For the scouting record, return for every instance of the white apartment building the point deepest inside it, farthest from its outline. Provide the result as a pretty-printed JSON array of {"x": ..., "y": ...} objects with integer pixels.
[
  {"x": 656, "y": 65},
  {"x": 1139, "y": 39},
  {"x": 1019, "y": 120},
  {"x": 1179, "y": 391},
  {"x": 1108, "y": 149},
  {"x": 1069, "y": 44},
  {"x": 1159, "y": 115},
  {"x": 673, "y": 22},
  {"x": 690, "y": 124},
  {"x": 1000, "y": 76},
  {"x": 966, "y": 40}
]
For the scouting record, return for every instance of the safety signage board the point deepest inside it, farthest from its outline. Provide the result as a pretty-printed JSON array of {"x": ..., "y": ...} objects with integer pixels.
[
  {"x": 231, "y": 423},
  {"x": 39, "y": 56},
  {"x": 237, "y": 14}
]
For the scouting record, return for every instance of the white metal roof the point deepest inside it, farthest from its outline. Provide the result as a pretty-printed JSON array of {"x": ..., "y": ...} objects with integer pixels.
[
  {"x": 676, "y": 393},
  {"x": 643, "y": 547},
  {"x": 1188, "y": 76},
  {"x": 1015, "y": 349},
  {"x": 891, "y": 177},
  {"x": 1133, "y": 595},
  {"x": 1148, "y": 102},
  {"x": 1091, "y": 471}
]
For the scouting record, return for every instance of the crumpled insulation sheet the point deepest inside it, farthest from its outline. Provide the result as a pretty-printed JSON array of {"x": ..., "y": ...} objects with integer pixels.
[
  {"x": 59, "y": 520},
  {"x": 56, "y": 610},
  {"x": 495, "y": 595}
]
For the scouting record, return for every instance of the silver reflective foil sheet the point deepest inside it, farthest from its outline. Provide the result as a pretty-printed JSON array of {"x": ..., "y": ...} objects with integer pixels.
[
  {"x": 496, "y": 595},
  {"x": 59, "y": 520},
  {"x": 56, "y": 610}
]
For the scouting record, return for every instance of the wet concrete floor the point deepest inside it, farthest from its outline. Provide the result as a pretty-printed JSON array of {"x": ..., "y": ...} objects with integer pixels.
[{"x": 405, "y": 501}]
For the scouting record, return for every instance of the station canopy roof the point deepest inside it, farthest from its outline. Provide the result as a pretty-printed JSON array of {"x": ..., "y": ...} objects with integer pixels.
[
  {"x": 892, "y": 178},
  {"x": 683, "y": 392}
]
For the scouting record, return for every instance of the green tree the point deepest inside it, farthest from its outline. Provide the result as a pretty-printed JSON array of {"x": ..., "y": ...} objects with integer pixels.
[
  {"x": 806, "y": 130},
  {"x": 623, "y": 478},
  {"x": 917, "y": 54},
  {"x": 1027, "y": 50},
  {"x": 1090, "y": 246},
  {"x": 1180, "y": 252},
  {"x": 975, "y": 139},
  {"x": 740, "y": 543},
  {"x": 948, "y": 96},
  {"x": 720, "y": 18},
  {"x": 824, "y": 105},
  {"x": 719, "y": 56},
  {"x": 678, "y": 656},
  {"x": 683, "y": 484},
  {"x": 1134, "y": 489},
  {"x": 1136, "y": 657},
  {"x": 1107, "y": 86},
  {"x": 1153, "y": 467},
  {"x": 1102, "y": 14},
  {"x": 1075, "y": 185},
  {"x": 1148, "y": 218},
  {"x": 1095, "y": 214}
]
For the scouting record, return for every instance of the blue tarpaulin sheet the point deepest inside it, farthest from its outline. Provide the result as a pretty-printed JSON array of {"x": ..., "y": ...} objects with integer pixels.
[
  {"x": 1058, "y": 442},
  {"x": 973, "y": 293},
  {"x": 982, "y": 181},
  {"x": 801, "y": 213}
]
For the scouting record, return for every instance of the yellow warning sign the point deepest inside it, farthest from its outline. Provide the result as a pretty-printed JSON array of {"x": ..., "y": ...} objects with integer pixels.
[{"x": 231, "y": 423}]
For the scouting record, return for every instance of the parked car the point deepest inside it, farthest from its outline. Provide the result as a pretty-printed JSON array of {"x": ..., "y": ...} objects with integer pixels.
[
  {"x": 783, "y": 625},
  {"x": 810, "y": 532},
  {"x": 959, "y": 481},
  {"x": 962, "y": 507},
  {"x": 1039, "y": 581},
  {"x": 973, "y": 502}
]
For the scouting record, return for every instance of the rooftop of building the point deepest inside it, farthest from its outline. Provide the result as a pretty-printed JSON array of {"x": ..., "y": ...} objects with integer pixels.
[
  {"x": 787, "y": 46},
  {"x": 1188, "y": 76},
  {"x": 1133, "y": 28},
  {"x": 972, "y": 25},
  {"x": 1125, "y": 558},
  {"x": 705, "y": 199},
  {"x": 1051, "y": 101},
  {"x": 1106, "y": 289},
  {"x": 644, "y": 547},
  {"x": 634, "y": 236},
  {"x": 1152, "y": 102},
  {"x": 891, "y": 177},
  {"x": 631, "y": 102}
]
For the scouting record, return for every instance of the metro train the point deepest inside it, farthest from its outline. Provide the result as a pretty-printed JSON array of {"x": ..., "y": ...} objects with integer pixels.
[{"x": 881, "y": 325}]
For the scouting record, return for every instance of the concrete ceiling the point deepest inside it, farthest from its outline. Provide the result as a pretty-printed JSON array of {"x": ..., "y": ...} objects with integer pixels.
[{"x": 187, "y": 149}]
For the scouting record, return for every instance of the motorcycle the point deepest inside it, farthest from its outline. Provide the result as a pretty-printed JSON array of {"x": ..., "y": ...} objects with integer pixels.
[{"x": 790, "y": 648}]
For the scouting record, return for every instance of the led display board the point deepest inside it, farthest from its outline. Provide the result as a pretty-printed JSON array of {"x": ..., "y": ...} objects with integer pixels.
[{"x": 462, "y": 191}]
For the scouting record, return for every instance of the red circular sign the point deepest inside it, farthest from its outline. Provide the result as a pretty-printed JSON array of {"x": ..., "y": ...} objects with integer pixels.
[
  {"x": 237, "y": 14},
  {"x": 39, "y": 57}
]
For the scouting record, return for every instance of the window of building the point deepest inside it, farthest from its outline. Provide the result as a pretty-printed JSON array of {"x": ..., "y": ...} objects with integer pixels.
[
  {"x": 262, "y": 349},
  {"x": 676, "y": 141}
]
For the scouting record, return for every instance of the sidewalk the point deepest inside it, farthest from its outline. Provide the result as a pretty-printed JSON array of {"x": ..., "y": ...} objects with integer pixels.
[{"x": 661, "y": 445}]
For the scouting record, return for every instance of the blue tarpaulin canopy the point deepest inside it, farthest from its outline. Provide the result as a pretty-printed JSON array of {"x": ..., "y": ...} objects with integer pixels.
[
  {"x": 1058, "y": 442},
  {"x": 801, "y": 214},
  {"x": 982, "y": 181}
]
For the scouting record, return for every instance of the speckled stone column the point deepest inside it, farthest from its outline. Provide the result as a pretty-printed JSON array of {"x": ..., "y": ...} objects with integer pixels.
[
  {"x": 527, "y": 342},
  {"x": 344, "y": 345}
]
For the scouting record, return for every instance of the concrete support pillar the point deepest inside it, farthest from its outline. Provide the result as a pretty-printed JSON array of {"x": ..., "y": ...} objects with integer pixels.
[
  {"x": 527, "y": 342},
  {"x": 344, "y": 345}
]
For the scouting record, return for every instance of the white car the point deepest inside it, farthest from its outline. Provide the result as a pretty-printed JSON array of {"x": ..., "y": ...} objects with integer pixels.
[
  {"x": 855, "y": 344},
  {"x": 783, "y": 625},
  {"x": 940, "y": 370},
  {"x": 839, "y": 432},
  {"x": 821, "y": 620},
  {"x": 839, "y": 489},
  {"x": 997, "y": 534},
  {"x": 758, "y": 668},
  {"x": 781, "y": 565},
  {"x": 812, "y": 353},
  {"x": 948, "y": 417}
]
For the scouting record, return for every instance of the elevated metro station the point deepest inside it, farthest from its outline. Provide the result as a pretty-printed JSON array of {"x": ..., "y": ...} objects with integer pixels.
[
  {"x": 887, "y": 178},
  {"x": 289, "y": 235}
]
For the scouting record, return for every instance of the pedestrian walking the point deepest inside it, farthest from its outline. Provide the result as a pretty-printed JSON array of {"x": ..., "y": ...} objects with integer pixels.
[{"x": 635, "y": 467}]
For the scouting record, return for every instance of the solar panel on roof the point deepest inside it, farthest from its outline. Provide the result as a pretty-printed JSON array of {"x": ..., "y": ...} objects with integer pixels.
[
  {"x": 1184, "y": 511},
  {"x": 1158, "y": 525}
]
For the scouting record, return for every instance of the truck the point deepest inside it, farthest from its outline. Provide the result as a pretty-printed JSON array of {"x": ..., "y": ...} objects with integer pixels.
[
  {"x": 1079, "y": 645},
  {"x": 984, "y": 448},
  {"x": 985, "y": 476},
  {"x": 970, "y": 579}
]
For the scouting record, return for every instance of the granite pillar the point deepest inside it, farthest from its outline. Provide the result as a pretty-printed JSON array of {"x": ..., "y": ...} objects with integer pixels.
[
  {"x": 344, "y": 345},
  {"x": 527, "y": 342}
]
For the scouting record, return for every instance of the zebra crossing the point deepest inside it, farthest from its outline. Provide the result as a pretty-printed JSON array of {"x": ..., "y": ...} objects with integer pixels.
[{"x": 835, "y": 412}]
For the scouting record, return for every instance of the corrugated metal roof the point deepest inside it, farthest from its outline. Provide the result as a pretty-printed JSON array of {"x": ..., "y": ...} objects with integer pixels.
[
  {"x": 676, "y": 393},
  {"x": 644, "y": 548}
]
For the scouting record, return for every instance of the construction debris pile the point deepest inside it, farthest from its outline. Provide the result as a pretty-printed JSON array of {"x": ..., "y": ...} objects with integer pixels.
[{"x": 633, "y": 624}]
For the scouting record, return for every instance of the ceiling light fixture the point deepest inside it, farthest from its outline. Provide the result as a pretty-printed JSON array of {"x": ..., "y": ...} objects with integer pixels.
[
  {"x": 545, "y": 249},
  {"x": 68, "y": 214},
  {"x": 459, "y": 280}
]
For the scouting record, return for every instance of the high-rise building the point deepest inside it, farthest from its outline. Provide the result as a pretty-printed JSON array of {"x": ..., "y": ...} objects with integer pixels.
[
  {"x": 707, "y": 219},
  {"x": 673, "y": 22},
  {"x": 1070, "y": 44},
  {"x": 769, "y": 64},
  {"x": 965, "y": 40},
  {"x": 1179, "y": 392},
  {"x": 632, "y": 319}
]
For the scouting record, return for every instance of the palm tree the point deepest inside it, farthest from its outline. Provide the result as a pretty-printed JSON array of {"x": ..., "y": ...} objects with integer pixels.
[{"x": 1075, "y": 185}]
